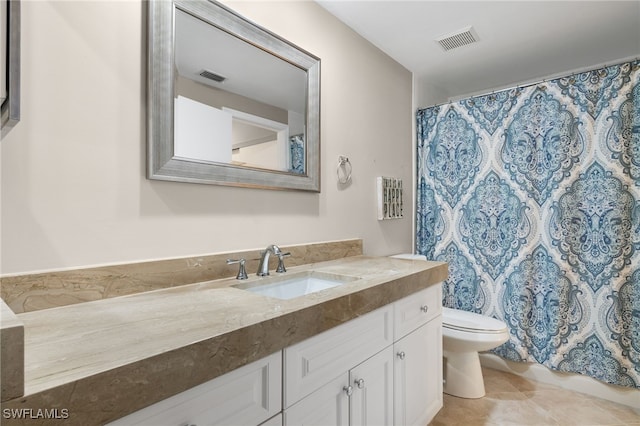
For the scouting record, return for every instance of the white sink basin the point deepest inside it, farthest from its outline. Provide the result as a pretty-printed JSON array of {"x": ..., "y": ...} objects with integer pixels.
[{"x": 295, "y": 285}]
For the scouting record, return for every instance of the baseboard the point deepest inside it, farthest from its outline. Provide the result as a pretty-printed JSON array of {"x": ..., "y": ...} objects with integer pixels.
[{"x": 575, "y": 382}]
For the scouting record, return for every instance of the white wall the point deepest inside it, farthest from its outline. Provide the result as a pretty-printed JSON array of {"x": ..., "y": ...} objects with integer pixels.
[
  {"x": 427, "y": 95},
  {"x": 74, "y": 192}
]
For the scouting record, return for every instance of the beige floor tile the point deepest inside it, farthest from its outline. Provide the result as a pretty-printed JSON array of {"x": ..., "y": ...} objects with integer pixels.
[
  {"x": 514, "y": 401},
  {"x": 572, "y": 408},
  {"x": 520, "y": 383},
  {"x": 624, "y": 413},
  {"x": 519, "y": 412},
  {"x": 460, "y": 411},
  {"x": 497, "y": 381}
]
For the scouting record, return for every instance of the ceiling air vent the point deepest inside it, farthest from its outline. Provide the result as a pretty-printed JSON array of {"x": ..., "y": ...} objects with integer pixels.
[
  {"x": 458, "y": 39},
  {"x": 213, "y": 76}
]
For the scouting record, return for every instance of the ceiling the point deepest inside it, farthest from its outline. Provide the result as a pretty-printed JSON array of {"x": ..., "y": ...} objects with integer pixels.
[
  {"x": 519, "y": 41},
  {"x": 200, "y": 46}
]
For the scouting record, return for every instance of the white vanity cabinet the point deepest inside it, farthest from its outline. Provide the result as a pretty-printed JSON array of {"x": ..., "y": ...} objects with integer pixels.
[
  {"x": 418, "y": 376},
  {"x": 310, "y": 364},
  {"x": 359, "y": 397},
  {"x": 330, "y": 378},
  {"x": 372, "y": 384},
  {"x": 384, "y": 368},
  {"x": 274, "y": 421},
  {"x": 418, "y": 358},
  {"x": 327, "y": 405},
  {"x": 249, "y": 395}
]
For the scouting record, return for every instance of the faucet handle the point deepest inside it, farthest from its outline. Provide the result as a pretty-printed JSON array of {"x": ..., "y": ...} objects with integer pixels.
[
  {"x": 281, "y": 269},
  {"x": 242, "y": 272}
]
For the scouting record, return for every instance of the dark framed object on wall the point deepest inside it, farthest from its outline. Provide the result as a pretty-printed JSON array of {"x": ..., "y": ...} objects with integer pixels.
[{"x": 10, "y": 64}]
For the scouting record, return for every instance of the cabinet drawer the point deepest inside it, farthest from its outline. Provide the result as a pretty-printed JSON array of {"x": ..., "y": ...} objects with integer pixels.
[
  {"x": 314, "y": 362},
  {"x": 248, "y": 395},
  {"x": 416, "y": 310}
]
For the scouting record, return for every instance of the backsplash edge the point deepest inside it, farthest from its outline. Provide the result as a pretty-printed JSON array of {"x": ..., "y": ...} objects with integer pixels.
[{"x": 33, "y": 292}]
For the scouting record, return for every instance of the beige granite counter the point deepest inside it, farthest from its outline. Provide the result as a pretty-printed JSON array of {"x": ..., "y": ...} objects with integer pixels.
[
  {"x": 11, "y": 353},
  {"x": 97, "y": 361},
  {"x": 46, "y": 290}
]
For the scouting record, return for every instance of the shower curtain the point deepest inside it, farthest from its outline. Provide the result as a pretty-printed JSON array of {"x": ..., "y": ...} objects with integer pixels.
[{"x": 532, "y": 196}]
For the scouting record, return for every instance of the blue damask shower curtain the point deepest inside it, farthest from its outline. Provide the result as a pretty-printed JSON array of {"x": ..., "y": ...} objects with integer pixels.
[{"x": 532, "y": 195}]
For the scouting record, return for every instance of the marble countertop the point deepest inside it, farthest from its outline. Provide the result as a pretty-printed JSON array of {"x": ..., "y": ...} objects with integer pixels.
[
  {"x": 102, "y": 360},
  {"x": 11, "y": 353}
]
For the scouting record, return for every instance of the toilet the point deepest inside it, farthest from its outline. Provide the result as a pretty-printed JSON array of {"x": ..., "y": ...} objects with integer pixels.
[{"x": 464, "y": 334}]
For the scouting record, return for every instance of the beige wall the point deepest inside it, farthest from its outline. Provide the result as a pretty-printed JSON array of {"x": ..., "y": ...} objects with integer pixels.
[{"x": 74, "y": 191}]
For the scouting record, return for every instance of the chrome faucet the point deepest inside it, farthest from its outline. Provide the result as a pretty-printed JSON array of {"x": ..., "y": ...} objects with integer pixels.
[{"x": 263, "y": 267}]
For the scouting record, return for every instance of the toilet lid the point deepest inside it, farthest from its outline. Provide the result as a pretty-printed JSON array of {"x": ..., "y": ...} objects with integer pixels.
[{"x": 469, "y": 321}]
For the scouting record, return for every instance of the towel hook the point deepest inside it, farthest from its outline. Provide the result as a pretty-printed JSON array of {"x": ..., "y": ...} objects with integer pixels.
[{"x": 345, "y": 165}]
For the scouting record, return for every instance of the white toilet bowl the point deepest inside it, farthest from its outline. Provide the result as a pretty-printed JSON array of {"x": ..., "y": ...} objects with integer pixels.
[{"x": 464, "y": 334}]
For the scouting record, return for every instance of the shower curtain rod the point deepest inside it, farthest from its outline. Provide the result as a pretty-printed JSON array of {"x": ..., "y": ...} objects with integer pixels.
[{"x": 536, "y": 82}]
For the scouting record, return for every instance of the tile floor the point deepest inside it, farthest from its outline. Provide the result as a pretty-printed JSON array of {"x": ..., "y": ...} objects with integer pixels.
[{"x": 514, "y": 400}]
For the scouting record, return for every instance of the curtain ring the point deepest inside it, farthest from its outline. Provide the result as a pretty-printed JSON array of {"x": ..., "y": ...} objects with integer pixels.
[{"x": 344, "y": 163}]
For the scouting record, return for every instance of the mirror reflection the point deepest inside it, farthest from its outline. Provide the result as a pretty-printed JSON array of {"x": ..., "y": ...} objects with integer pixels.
[
  {"x": 241, "y": 103},
  {"x": 232, "y": 110}
]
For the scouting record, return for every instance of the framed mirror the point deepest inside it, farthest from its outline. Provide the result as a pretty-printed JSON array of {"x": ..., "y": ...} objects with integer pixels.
[
  {"x": 9, "y": 64},
  {"x": 229, "y": 102}
]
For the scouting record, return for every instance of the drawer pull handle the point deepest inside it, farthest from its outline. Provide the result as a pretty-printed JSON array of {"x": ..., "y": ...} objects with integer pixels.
[
  {"x": 424, "y": 308},
  {"x": 401, "y": 355},
  {"x": 348, "y": 390},
  {"x": 359, "y": 383}
]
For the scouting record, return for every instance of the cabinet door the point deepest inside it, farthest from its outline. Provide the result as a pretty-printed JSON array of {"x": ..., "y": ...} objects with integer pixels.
[
  {"x": 246, "y": 396},
  {"x": 327, "y": 406},
  {"x": 308, "y": 365},
  {"x": 418, "y": 375},
  {"x": 372, "y": 397}
]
